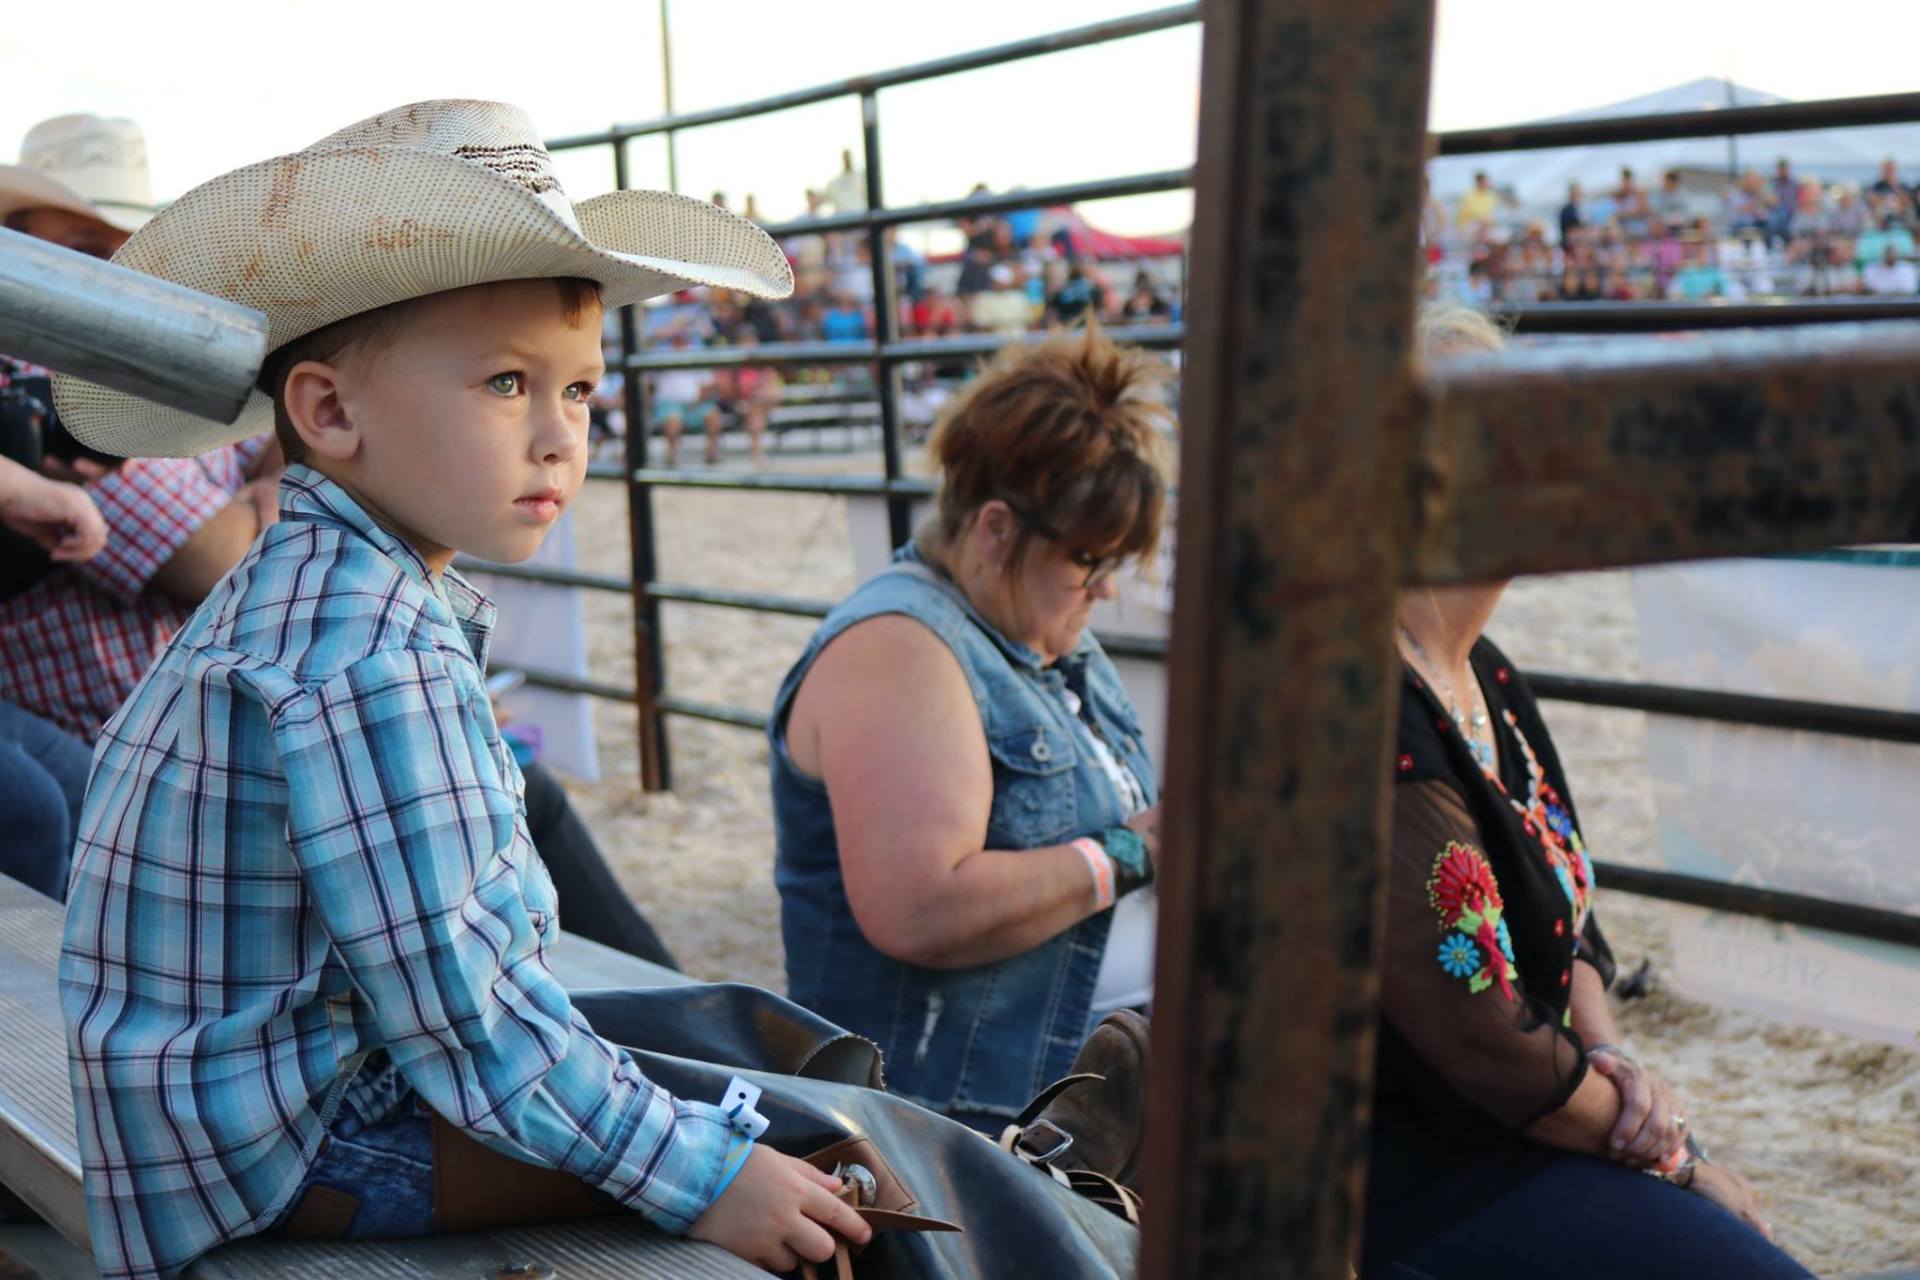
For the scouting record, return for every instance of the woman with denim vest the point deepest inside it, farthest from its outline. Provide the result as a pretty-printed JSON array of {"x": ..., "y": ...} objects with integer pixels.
[{"x": 967, "y": 817}]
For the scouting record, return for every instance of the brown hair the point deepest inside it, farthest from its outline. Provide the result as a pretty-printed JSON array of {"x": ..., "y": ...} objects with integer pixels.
[
  {"x": 1069, "y": 433},
  {"x": 359, "y": 334}
]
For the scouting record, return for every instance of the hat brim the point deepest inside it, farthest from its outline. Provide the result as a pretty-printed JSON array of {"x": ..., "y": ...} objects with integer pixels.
[
  {"x": 23, "y": 188},
  {"x": 318, "y": 236}
]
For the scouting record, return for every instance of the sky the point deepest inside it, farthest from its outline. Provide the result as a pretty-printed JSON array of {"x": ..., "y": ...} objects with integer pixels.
[{"x": 217, "y": 84}]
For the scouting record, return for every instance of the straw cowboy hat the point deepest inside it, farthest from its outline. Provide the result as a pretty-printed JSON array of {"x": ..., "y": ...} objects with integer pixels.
[
  {"x": 417, "y": 200},
  {"x": 85, "y": 165}
]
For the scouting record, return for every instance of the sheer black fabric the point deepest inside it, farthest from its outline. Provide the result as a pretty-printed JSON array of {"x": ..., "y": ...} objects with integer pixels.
[{"x": 1489, "y": 907}]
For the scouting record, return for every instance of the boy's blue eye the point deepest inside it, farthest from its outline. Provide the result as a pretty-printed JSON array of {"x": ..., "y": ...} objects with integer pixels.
[
  {"x": 504, "y": 384},
  {"x": 579, "y": 391}
]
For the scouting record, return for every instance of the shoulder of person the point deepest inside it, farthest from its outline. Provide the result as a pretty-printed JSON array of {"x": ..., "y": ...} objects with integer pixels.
[{"x": 314, "y": 601}]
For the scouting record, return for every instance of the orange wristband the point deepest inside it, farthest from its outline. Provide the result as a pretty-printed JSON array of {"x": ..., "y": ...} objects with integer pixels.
[{"x": 1100, "y": 867}]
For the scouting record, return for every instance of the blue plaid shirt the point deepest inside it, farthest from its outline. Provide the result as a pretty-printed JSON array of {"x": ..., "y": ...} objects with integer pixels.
[{"x": 303, "y": 843}]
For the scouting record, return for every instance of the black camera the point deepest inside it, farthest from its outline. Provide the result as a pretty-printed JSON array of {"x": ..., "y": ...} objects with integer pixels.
[
  {"x": 30, "y": 430},
  {"x": 30, "y": 433}
]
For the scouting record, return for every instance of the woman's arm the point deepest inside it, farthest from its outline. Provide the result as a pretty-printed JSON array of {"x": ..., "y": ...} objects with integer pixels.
[
  {"x": 60, "y": 517},
  {"x": 886, "y": 719}
]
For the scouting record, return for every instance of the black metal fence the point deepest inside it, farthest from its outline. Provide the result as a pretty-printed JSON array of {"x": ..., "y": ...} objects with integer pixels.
[{"x": 888, "y": 350}]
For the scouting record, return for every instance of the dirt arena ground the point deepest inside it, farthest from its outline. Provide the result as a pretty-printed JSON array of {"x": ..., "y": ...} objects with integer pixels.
[{"x": 1827, "y": 1127}]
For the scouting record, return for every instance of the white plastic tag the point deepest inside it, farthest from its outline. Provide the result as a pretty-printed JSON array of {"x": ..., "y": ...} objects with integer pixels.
[{"x": 739, "y": 1103}]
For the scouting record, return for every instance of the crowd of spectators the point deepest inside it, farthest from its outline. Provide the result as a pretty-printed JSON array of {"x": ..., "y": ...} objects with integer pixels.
[
  {"x": 1690, "y": 237},
  {"x": 1014, "y": 272}
]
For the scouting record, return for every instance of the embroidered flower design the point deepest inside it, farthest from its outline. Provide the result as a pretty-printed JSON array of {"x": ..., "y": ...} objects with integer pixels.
[
  {"x": 1465, "y": 895},
  {"x": 1459, "y": 957}
]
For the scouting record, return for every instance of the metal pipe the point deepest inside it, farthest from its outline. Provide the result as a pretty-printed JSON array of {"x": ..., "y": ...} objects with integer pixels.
[
  {"x": 1667, "y": 317},
  {"x": 1057, "y": 42},
  {"x": 127, "y": 330},
  {"x": 886, "y": 324},
  {"x": 842, "y": 486},
  {"x": 1826, "y": 113},
  {"x": 1850, "y": 918},
  {"x": 649, "y": 657},
  {"x": 548, "y": 576},
  {"x": 715, "y": 712},
  {"x": 998, "y": 202},
  {"x": 971, "y": 344},
  {"x": 1730, "y": 708}
]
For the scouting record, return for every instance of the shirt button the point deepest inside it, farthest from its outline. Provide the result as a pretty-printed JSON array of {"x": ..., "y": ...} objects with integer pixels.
[
  {"x": 1566, "y": 977},
  {"x": 1041, "y": 751},
  {"x": 1559, "y": 928}
]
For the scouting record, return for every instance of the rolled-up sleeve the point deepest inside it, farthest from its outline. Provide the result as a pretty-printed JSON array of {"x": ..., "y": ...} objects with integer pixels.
[
  {"x": 151, "y": 506},
  {"x": 410, "y": 842}
]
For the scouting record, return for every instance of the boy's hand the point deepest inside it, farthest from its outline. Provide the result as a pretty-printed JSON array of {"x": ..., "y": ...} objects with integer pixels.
[{"x": 777, "y": 1211}]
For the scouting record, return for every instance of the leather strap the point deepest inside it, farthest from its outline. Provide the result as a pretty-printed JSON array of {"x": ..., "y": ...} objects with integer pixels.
[
  {"x": 322, "y": 1214},
  {"x": 476, "y": 1188}
]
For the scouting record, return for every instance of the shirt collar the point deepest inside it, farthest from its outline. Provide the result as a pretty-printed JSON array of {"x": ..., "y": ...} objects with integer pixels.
[
  {"x": 307, "y": 497},
  {"x": 1019, "y": 654}
]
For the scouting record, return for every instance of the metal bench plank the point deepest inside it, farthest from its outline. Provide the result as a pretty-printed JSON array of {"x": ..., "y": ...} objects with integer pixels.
[
  {"x": 611, "y": 1248},
  {"x": 40, "y": 1159}
]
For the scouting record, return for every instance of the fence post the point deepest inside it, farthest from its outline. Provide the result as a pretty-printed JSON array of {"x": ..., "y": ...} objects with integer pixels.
[
  {"x": 886, "y": 326},
  {"x": 656, "y": 773},
  {"x": 1299, "y": 413}
]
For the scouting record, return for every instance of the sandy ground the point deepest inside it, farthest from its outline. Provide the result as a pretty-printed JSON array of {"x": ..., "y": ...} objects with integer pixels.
[{"x": 1827, "y": 1127}]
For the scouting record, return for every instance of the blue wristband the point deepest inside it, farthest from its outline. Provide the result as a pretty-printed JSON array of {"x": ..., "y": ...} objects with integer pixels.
[{"x": 1132, "y": 868}]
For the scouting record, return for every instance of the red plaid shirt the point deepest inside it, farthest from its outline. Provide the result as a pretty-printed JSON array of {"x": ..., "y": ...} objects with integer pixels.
[{"x": 74, "y": 644}]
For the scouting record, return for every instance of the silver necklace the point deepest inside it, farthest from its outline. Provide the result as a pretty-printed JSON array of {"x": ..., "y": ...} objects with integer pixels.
[{"x": 1474, "y": 727}]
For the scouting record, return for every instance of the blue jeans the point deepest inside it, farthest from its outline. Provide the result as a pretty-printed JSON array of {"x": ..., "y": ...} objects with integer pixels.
[
  {"x": 43, "y": 778},
  {"x": 388, "y": 1166},
  {"x": 1585, "y": 1219}
]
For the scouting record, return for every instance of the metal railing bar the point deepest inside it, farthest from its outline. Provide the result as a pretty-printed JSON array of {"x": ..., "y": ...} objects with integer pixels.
[
  {"x": 994, "y": 202},
  {"x": 548, "y": 575},
  {"x": 684, "y": 593},
  {"x": 1849, "y": 918},
  {"x": 1833, "y": 718},
  {"x": 859, "y": 352},
  {"x": 606, "y": 471},
  {"x": 717, "y": 713},
  {"x": 561, "y": 683},
  {"x": 865, "y": 352},
  {"x": 1639, "y": 317},
  {"x": 843, "y": 486},
  {"x": 1822, "y": 113},
  {"x": 1137, "y": 24}
]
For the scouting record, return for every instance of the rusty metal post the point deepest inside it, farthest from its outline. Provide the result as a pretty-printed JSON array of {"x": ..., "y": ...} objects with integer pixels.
[
  {"x": 1298, "y": 429},
  {"x": 649, "y": 657}
]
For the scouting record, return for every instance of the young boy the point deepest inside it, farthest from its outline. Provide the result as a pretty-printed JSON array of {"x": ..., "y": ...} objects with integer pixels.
[{"x": 303, "y": 967}]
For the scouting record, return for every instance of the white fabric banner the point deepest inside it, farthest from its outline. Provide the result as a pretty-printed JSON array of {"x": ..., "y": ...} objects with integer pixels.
[
  {"x": 542, "y": 626},
  {"x": 1801, "y": 812}
]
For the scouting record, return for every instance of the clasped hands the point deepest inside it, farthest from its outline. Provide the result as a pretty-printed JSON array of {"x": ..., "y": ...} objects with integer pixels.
[{"x": 1652, "y": 1127}]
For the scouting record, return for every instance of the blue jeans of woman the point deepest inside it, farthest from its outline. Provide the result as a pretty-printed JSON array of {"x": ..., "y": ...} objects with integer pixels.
[
  {"x": 43, "y": 777},
  {"x": 1585, "y": 1219}
]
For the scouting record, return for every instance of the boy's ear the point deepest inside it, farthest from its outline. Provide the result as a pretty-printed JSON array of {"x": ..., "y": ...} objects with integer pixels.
[{"x": 315, "y": 407}]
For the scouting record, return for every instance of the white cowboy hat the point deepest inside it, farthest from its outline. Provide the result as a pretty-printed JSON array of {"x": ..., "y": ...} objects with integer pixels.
[
  {"x": 417, "y": 200},
  {"x": 85, "y": 165}
]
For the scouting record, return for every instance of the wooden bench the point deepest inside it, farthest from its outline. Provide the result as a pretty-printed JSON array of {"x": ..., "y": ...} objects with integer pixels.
[{"x": 40, "y": 1158}]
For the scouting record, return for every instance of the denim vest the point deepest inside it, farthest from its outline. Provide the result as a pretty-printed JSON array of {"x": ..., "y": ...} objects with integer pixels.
[{"x": 975, "y": 1043}]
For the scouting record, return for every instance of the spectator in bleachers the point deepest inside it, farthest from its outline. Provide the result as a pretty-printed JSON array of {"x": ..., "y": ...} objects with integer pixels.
[
  {"x": 846, "y": 191},
  {"x": 1889, "y": 196},
  {"x": 1785, "y": 200},
  {"x": 1671, "y": 207},
  {"x": 845, "y": 320},
  {"x": 1078, "y": 298},
  {"x": 1147, "y": 302},
  {"x": 1892, "y": 275},
  {"x": 1631, "y": 206},
  {"x": 1573, "y": 214},
  {"x": 683, "y": 396},
  {"x": 749, "y": 392},
  {"x": 1474, "y": 215},
  {"x": 1748, "y": 203}
]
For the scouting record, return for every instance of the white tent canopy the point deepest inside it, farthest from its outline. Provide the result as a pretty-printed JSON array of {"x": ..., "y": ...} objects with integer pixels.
[{"x": 1539, "y": 179}]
